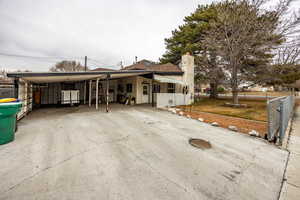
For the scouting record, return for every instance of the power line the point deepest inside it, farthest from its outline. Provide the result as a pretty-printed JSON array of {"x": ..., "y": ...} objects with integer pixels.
[
  {"x": 101, "y": 65},
  {"x": 26, "y": 60},
  {"x": 52, "y": 59},
  {"x": 36, "y": 57},
  {"x": 96, "y": 61}
]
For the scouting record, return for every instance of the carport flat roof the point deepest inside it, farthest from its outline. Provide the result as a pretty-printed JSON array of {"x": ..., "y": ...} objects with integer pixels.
[{"x": 48, "y": 77}]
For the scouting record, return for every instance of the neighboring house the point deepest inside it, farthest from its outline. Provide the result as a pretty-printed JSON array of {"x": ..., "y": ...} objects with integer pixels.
[
  {"x": 142, "y": 83},
  {"x": 258, "y": 88},
  {"x": 252, "y": 87},
  {"x": 296, "y": 87}
]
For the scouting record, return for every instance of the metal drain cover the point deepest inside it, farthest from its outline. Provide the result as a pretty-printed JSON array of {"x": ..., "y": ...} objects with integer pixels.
[{"x": 199, "y": 143}]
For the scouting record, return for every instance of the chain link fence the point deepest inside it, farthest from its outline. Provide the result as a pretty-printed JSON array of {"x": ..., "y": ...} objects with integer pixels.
[
  {"x": 7, "y": 92},
  {"x": 280, "y": 112}
]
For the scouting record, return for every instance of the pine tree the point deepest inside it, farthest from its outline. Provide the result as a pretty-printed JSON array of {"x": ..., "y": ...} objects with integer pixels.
[{"x": 188, "y": 38}]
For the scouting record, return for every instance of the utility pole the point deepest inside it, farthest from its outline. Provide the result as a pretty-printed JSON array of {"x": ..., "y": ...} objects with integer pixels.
[{"x": 85, "y": 62}]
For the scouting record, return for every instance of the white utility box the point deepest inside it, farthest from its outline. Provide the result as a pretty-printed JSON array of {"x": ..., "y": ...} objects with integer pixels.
[{"x": 70, "y": 97}]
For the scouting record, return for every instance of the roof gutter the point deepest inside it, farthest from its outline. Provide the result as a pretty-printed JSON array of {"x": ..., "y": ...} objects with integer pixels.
[
  {"x": 168, "y": 73},
  {"x": 41, "y": 74}
]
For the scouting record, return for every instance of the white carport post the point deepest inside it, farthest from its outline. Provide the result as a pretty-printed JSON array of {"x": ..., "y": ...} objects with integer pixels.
[
  {"x": 152, "y": 90},
  {"x": 26, "y": 97},
  {"x": 97, "y": 92},
  {"x": 90, "y": 93},
  {"x": 107, "y": 91}
]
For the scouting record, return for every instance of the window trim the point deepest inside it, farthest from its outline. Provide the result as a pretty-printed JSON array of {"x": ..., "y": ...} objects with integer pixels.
[
  {"x": 147, "y": 90},
  {"x": 129, "y": 88},
  {"x": 171, "y": 88},
  {"x": 156, "y": 88}
]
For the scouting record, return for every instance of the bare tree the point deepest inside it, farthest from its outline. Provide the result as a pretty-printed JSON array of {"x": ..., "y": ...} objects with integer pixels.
[
  {"x": 288, "y": 56},
  {"x": 210, "y": 69},
  {"x": 244, "y": 36},
  {"x": 286, "y": 67},
  {"x": 3, "y": 75},
  {"x": 67, "y": 66}
]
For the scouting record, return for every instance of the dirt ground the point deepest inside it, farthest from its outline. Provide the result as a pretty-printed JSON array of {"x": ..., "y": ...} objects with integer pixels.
[{"x": 243, "y": 125}]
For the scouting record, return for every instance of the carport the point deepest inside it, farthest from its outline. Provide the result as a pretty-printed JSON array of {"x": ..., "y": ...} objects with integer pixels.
[{"x": 50, "y": 85}]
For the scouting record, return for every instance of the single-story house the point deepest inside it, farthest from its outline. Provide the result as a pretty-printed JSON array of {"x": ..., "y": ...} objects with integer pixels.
[{"x": 144, "y": 82}]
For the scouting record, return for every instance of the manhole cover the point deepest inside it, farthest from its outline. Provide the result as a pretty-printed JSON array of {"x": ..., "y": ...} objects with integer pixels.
[{"x": 199, "y": 143}]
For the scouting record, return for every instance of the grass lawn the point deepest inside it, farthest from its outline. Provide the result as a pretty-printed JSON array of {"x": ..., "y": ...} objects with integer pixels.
[{"x": 256, "y": 111}]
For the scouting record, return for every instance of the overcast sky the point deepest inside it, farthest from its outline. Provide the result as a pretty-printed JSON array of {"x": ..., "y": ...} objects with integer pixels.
[{"x": 106, "y": 31}]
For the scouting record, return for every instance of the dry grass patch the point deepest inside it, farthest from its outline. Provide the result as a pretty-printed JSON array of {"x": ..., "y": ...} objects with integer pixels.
[
  {"x": 275, "y": 94},
  {"x": 256, "y": 109}
]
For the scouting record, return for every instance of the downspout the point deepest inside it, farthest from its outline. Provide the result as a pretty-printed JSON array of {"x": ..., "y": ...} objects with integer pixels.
[
  {"x": 16, "y": 88},
  {"x": 90, "y": 93}
]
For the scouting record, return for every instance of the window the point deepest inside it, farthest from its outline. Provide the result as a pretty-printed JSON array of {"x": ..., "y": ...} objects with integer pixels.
[
  {"x": 185, "y": 90},
  {"x": 156, "y": 88},
  {"x": 129, "y": 88},
  {"x": 145, "y": 90},
  {"x": 120, "y": 88},
  {"x": 171, "y": 88}
]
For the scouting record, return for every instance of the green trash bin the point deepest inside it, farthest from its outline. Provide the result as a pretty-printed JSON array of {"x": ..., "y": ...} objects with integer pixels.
[{"x": 8, "y": 112}]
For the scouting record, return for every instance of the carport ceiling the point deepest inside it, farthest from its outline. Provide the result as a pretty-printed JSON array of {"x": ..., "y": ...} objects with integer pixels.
[{"x": 52, "y": 77}]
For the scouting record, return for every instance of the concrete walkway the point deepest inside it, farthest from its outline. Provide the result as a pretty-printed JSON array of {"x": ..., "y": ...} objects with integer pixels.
[{"x": 291, "y": 187}]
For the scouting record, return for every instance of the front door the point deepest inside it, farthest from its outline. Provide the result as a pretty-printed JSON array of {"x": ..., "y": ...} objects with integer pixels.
[{"x": 145, "y": 96}]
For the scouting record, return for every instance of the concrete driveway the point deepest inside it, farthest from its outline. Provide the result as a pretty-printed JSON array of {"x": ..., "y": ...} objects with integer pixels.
[{"x": 134, "y": 153}]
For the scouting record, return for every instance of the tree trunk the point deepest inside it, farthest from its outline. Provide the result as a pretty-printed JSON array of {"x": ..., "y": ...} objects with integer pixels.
[
  {"x": 213, "y": 91},
  {"x": 234, "y": 86},
  {"x": 235, "y": 93},
  {"x": 235, "y": 97},
  {"x": 276, "y": 88}
]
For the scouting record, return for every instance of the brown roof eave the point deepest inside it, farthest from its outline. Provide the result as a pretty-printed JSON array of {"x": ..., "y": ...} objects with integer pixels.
[{"x": 168, "y": 73}]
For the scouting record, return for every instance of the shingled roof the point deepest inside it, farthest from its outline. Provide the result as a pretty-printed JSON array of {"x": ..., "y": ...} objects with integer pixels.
[
  {"x": 168, "y": 67},
  {"x": 148, "y": 65}
]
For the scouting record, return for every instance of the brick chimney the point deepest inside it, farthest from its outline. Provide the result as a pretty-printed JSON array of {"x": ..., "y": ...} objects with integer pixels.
[{"x": 188, "y": 67}]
